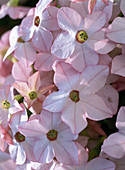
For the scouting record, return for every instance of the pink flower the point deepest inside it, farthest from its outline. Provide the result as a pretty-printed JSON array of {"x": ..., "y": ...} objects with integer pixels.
[
  {"x": 32, "y": 90},
  {"x": 15, "y": 12},
  {"x": 53, "y": 138},
  {"x": 82, "y": 38},
  {"x": 23, "y": 50},
  {"x": 77, "y": 97},
  {"x": 36, "y": 26},
  {"x": 114, "y": 145}
]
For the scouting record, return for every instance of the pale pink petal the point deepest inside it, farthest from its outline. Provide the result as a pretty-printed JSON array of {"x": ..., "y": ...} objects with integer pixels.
[
  {"x": 25, "y": 53},
  {"x": 44, "y": 61},
  {"x": 17, "y": 12},
  {"x": 43, "y": 151},
  {"x": 20, "y": 69},
  {"x": 94, "y": 22},
  {"x": 92, "y": 81},
  {"x": 116, "y": 30},
  {"x": 49, "y": 20},
  {"x": 3, "y": 11},
  {"x": 118, "y": 65},
  {"x": 34, "y": 81},
  {"x": 46, "y": 119},
  {"x": 100, "y": 43},
  {"x": 42, "y": 39},
  {"x": 17, "y": 154},
  {"x": 65, "y": 76},
  {"x": 22, "y": 88},
  {"x": 14, "y": 34},
  {"x": 63, "y": 45},
  {"x": 95, "y": 108},
  {"x": 55, "y": 101},
  {"x": 82, "y": 56},
  {"x": 27, "y": 27},
  {"x": 120, "y": 123},
  {"x": 41, "y": 5},
  {"x": 105, "y": 60},
  {"x": 100, "y": 164},
  {"x": 114, "y": 145},
  {"x": 66, "y": 152},
  {"x": 110, "y": 97},
  {"x": 73, "y": 116},
  {"x": 69, "y": 19},
  {"x": 9, "y": 51},
  {"x": 64, "y": 132},
  {"x": 81, "y": 8},
  {"x": 33, "y": 128}
]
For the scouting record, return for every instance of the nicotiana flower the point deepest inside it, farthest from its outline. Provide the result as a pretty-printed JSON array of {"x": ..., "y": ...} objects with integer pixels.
[
  {"x": 77, "y": 97},
  {"x": 13, "y": 10},
  {"x": 32, "y": 90},
  {"x": 22, "y": 147},
  {"x": 37, "y": 25},
  {"x": 114, "y": 145},
  {"x": 23, "y": 50},
  {"x": 8, "y": 105},
  {"x": 82, "y": 39},
  {"x": 53, "y": 138}
]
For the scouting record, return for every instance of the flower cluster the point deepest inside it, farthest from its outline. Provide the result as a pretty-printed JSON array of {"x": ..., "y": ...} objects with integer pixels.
[{"x": 61, "y": 72}]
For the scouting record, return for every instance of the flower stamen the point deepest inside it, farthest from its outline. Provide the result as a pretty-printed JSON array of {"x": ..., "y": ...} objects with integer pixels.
[
  {"x": 32, "y": 95},
  {"x": 5, "y": 104},
  {"x": 74, "y": 96},
  {"x": 52, "y": 135}
]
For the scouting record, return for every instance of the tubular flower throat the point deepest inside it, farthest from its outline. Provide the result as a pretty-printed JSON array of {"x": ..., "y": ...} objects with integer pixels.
[
  {"x": 19, "y": 137},
  {"x": 74, "y": 96},
  {"x": 32, "y": 95},
  {"x": 5, "y": 104},
  {"x": 52, "y": 135},
  {"x": 81, "y": 36},
  {"x": 37, "y": 21},
  {"x": 20, "y": 40}
]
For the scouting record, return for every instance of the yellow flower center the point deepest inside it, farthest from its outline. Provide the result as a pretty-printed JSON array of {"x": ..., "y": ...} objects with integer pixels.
[
  {"x": 5, "y": 104},
  {"x": 81, "y": 36},
  {"x": 19, "y": 137},
  {"x": 52, "y": 135},
  {"x": 74, "y": 96},
  {"x": 37, "y": 21},
  {"x": 32, "y": 95}
]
